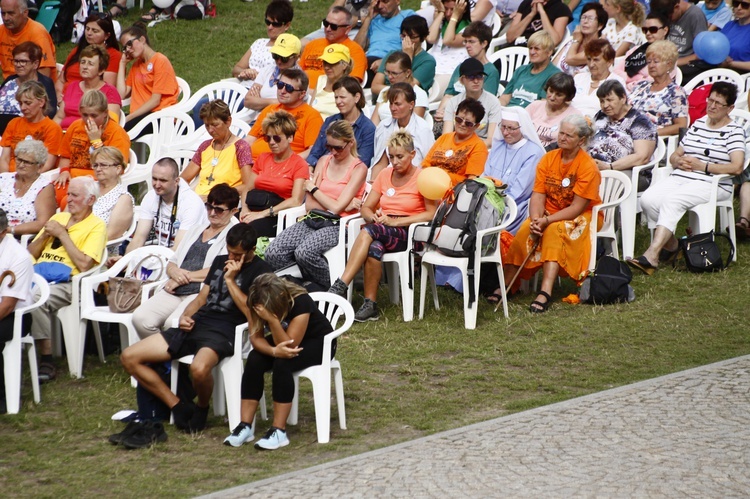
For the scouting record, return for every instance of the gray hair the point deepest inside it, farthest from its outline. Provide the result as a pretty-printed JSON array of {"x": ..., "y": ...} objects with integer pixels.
[
  {"x": 3, "y": 220},
  {"x": 34, "y": 148},
  {"x": 90, "y": 186},
  {"x": 583, "y": 126},
  {"x": 23, "y": 5}
]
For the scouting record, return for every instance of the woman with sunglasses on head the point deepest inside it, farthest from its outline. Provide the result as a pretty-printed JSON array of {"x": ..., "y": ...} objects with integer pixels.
[
  {"x": 571, "y": 59},
  {"x": 94, "y": 130},
  {"x": 393, "y": 204},
  {"x": 285, "y": 55},
  {"x": 398, "y": 70},
  {"x": 337, "y": 186},
  {"x": 277, "y": 179},
  {"x": 462, "y": 154},
  {"x": 223, "y": 158},
  {"x": 278, "y": 18},
  {"x": 100, "y": 31},
  {"x": 34, "y": 102},
  {"x": 190, "y": 264},
  {"x": 402, "y": 99},
  {"x": 151, "y": 81},
  {"x": 633, "y": 66},
  {"x": 337, "y": 63},
  {"x": 350, "y": 102},
  {"x": 114, "y": 204},
  {"x": 27, "y": 198}
]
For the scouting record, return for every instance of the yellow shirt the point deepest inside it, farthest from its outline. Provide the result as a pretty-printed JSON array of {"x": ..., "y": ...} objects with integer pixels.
[{"x": 89, "y": 235}]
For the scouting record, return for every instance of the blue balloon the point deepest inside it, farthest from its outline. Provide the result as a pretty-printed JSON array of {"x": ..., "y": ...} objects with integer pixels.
[{"x": 711, "y": 46}]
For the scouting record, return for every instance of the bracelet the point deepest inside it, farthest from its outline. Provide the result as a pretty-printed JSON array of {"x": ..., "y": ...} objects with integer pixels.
[
  {"x": 706, "y": 170},
  {"x": 454, "y": 19},
  {"x": 574, "y": 41},
  {"x": 13, "y": 231},
  {"x": 313, "y": 190},
  {"x": 547, "y": 219},
  {"x": 270, "y": 211},
  {"x": 65, "y": 169}
]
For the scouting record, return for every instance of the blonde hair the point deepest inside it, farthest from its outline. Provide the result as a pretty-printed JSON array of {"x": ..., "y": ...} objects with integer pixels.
[
  {"x": 275, "y": 294},
  {"x": 632, "y": 10},
  {"x": 664, "y": 50},
  {"x": 402, "y": 139},
  {"x": 343, "y": 130},
  {"x": 35, "y": 90},
  {"x": 541, "y": 39},
  {"x": 109, "y": 153}
]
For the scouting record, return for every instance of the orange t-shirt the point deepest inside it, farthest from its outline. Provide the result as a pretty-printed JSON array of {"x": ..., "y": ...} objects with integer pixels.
[
  {"x": 76, "y": 145},
  {"x": 308, "y": 121},
  {"x": 153, "y": 77},
  {"x": 19, "y": 128},
  {"x": 32, "y": 32},
  {"x": 459, "y": 160},
  {"x": 405, "y": 200},
  {"x": 314, "y": 67},
  {"x": 73, "y": 73},
  {"x": 560, "y": 182}
]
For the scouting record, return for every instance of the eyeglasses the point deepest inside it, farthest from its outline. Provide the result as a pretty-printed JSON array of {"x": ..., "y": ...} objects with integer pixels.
[
  {"x": 478, "y": 77},
  {"x": 101, "y": 15},
  {"x": 506, "y": 128},
  {"x": 413, "y": 37},
  {"x": 332, "y": 147},
  {"x": 333, "y": 26},
  {"x": 393, "y": 74},
  {"x": 128, "y": 45},
  {"x": 272, "y": 138},
  {"x": 461, "y": 121},
  {"x": 714, "y": 102},
  {"x": 102, "y": 166},
  {"x": 651, "y": 29},
  {"x": 592, "y": 19},
  {"x": 21, "y": 62},
  {"x": 217, "y": 209},
  {"x": 288, "y": 87},
  {"x": 278, "y": 58},
  {"x": 275, "y": 24},
  {"x": 744, "y": 5},
  {"x": 20, "y": 161}
]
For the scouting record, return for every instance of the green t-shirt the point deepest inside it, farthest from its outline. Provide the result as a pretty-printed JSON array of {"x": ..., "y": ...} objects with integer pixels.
[
  {"x": 422, "y": 67},
  {"x": 525, "y": 87},
  {"x": 491, "y": 81}
]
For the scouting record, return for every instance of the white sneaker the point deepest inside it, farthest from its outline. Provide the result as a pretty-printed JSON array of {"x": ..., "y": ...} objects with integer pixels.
[
  {"x": 241, "y": 434},
  {"x": 273, "y": 439}
]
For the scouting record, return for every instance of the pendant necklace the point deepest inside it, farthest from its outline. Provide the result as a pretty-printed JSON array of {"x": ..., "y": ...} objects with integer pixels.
[{"x": 215, "y": 160}]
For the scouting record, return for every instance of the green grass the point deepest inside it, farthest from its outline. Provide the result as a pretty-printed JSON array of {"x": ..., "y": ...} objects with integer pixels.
[{"x": 402, "y": 380}]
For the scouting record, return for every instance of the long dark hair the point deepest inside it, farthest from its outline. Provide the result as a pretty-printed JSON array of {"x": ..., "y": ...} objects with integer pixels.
[{"x": 105, "y": 23}]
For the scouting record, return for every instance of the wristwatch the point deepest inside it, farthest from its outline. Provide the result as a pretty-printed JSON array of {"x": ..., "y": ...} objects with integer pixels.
[{"x": 313, "y": 190}]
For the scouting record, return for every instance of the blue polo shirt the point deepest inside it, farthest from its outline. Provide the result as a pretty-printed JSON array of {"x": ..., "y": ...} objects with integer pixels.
[
  {"x": 364, "y": 134},
  {"x": 385, "y": 34}
]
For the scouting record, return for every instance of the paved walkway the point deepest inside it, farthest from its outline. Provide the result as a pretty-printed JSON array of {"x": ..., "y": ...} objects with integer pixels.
[{"x": 682, "y": 435}]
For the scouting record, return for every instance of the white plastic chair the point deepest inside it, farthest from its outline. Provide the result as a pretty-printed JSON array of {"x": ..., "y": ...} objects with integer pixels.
[
  {"x": 184, "y": 91},
  {"x": 229, "y": 91},
  {"x": 614, "y": 189},
  {"x": 227, "y": 394},
  {"x": 511, "y": 58},
  {"x": 714, "y": 75},
  {"x": 433, "y": 257},
  {"x": 288, "y": 217},
  {"x": 335, "y": 308},
  {"x": 91, "y": 312},
  {"x": 496, "y": 24},
  {"x": 630, "y": 207},
  {"x": 13, "y": 352},
  {"x": 169, "y": 126}
]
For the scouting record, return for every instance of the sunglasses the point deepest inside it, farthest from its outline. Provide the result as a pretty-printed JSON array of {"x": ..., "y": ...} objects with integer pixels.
[
  {"x": 21, "y": 62},
  {"x": 651, "y": 29},
  {"x": 275, "y": 24},
  {"x": 744, "y": 5},
  {"x": 476, "y": 77},
  {"x": 217, "y": 209},
  {"x": 461, "y": 121},
  {"x": 288, "y": 87},
  {"x": 272, "y": 138},
  {"x": 332, "y": 147},
  {"x": 333, "y": 26},
  {"x": 128, "y": 45},
  {"x": 278, "y": 58}
]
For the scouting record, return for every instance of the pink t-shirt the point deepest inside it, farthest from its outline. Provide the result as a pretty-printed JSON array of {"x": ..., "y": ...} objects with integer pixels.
[
  {"x": 547, "y": 127},
  {"x": 405, "y": 200},
  {"x": 72, "y": 99},
  {"x": 279, "y": 177},
  {"x": 335, "y": 188}
]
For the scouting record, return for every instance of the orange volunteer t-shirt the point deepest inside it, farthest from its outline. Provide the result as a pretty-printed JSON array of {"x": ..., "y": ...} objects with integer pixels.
[
  {"x": 19, "y": 128},
  {"x": 153, "y": 77},
  {"x": 308, "y": 121},
  {"x": 32, "y": 32},
  {"x": 404, "y": 201},
  {"x": 459, "y": 160}
]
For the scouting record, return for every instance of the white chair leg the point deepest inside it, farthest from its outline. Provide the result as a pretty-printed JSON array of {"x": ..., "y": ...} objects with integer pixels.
[
  {"x": 503, "y": 289},
  {"x": 294, "y": 414},
  {"x": 219, "y": 400},
  {"x": 338, "y": 381},
  {"x": 231, "y": 373},
  {"x": 34, "y": 372},
  {"x": 407, "y": 294},
  {"x": 470, "y": 311},
  {"x": 174, "y": 372},
  {"x": 423, "y": 288},
  {"x": 391, "y": 268},
  {"x": 263, "y": 409},
  {"x": 98, "y": 339},
  {"x": 13, "y": 375},
  {"x": 322, "y": 401},
  {"x": 72, "y": 338}
]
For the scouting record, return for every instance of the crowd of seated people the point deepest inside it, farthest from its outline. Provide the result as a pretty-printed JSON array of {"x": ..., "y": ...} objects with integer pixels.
[{"x": 594, "y": 101}]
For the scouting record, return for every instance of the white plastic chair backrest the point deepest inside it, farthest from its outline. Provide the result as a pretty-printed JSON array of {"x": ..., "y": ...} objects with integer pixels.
[
  {"x": 714, "y": 75},
  {"x": 335, "y": 308},
  {"x": 434, "y": 94},
  {"x": 183, "y": 158},
  {"x": 659, "y": 152},
  {"x": 614, "y": 188},
  {"x": 184, "y": 90},
  {"x": 129, "y": 232},
  {"x": 510, "y": 213},
  {"x": 38, "y": 282},
  {"x": 496, "y": 24},
  {"x": 158, "y": 253},
  {"x": 677, "y": 75},
  {"x": 169, "y": 126},
  {"x": 232, "y": 93},
  {"x": 132, "y": 162},
  {"x": 238, "y": 127},
  {"x": 742, "y": 118},
  {"x": 511, "y": 58}
]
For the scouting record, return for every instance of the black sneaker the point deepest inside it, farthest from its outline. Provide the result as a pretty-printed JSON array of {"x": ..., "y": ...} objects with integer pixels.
[
  {"x": 198, "y": 421},
  {"x": 183, "y": 413},
  {"x": 129, "y": 430},
  {"x": 150, "y": 433}
]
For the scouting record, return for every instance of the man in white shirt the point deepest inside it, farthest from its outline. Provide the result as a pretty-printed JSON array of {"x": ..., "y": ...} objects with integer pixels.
[{"x": 17, "y": 270}]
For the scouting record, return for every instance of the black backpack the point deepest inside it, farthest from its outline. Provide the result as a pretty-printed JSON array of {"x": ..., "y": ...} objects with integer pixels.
[{"x": 609, "y": 283}]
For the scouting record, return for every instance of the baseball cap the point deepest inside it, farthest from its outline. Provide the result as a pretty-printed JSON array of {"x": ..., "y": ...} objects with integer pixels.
[
  {"x": 336, "y": 52},
  {"x": 471, "y": 67},
  {"x": 286, "y": 45}
]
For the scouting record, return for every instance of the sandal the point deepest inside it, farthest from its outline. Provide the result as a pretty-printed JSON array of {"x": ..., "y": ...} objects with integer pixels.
[
  {"x": 151, "y": 15},
  {"x": 121, "y": 11},
  {"x": 667, "y": 256},
  {"x": 743, "y": 228},
  {"x": 540, "y": 307},
  {"x": 641, "y": 263},
  {"x": 494, "y": 298}
]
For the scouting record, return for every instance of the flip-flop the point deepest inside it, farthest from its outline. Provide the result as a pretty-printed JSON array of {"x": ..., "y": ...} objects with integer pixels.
[
  {"x": 742, "y": 228},
  {"x": 121, "y": 11},
  {"x": 151, "y": 15},
  {"x": 494, "y": 298},
  {"x": 641, "y": 263},
  {"x": 541, "y": 306}
]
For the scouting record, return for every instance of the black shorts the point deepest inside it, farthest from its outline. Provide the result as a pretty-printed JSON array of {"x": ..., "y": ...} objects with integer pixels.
[{"x": 182, "y": 343}]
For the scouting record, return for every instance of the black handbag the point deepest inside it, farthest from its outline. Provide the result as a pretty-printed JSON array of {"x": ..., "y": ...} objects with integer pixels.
[
  {"x": 259, "y": 200},
  {"x": 702, "y": 254},
  {"x": 320, "y": 219}
]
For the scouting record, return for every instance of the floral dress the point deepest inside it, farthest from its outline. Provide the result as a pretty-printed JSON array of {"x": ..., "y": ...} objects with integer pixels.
[
  {"x": 630, "y": 33},
  {"x": 615, "y": 139},
  {"x": 661, "y": 107}
]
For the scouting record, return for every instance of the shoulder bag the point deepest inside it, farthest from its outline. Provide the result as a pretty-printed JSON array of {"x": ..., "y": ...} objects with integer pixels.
[{"x": 124, "y": 293}]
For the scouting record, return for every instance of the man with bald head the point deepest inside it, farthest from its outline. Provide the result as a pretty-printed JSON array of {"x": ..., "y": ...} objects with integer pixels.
[{"x": 18, "y": 28}]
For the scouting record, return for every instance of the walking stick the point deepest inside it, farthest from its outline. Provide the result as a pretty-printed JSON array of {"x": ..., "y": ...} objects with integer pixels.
[{"x": 518, "y": 272}]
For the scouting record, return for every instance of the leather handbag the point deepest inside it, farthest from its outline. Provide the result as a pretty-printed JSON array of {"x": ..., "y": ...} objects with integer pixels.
[
  {"x": 702, "y": 254},
  {"x": 124, "y": 293}
]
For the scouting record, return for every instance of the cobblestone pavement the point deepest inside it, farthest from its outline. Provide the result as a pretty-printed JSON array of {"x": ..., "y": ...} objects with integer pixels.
[{"x": 682, "y": 435}]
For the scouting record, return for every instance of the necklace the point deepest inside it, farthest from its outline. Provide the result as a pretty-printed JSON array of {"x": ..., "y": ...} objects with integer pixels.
[
  {"x": 215, "y": 160},
  {"x": 19, "y": 188}
]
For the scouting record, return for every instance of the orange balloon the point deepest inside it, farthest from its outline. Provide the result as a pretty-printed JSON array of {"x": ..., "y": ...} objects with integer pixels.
[{"x": 433, "y": 182}]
